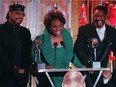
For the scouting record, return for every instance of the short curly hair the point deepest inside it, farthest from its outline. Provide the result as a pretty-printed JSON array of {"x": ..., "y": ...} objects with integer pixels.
[
  {"x": 53, "y": 15},
  {"x": 100, "y": 7}
]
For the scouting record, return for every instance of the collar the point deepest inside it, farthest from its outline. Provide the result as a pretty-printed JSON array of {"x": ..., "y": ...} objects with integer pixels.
[
  {"x": 101, "y": 29},
  {"x": 11, "y": 26}
]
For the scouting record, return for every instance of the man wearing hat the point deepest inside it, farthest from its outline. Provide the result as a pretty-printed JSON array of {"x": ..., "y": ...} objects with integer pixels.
[{"x": 15, "y": 49}]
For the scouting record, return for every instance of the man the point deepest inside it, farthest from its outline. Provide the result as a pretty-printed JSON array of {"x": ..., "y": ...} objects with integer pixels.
[
  {"x": 94, "y": 42},
  {"x": 108, "y": 80},
  {"x": 15, "y": 49}
]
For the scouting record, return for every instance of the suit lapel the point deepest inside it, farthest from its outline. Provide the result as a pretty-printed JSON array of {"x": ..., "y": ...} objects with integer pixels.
[{"x": 108, "y": 44}]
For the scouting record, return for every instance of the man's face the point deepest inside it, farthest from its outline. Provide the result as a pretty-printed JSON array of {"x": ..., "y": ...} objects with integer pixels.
[
  {"x": 99, "y": 18},
  {"x": 16, "y": 17}
]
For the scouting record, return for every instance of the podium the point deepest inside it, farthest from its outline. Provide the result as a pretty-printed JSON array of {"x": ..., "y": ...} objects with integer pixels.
[{"x": 47, "y": 71}]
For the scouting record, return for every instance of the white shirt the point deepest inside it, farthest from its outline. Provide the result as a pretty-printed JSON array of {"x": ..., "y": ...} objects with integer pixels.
[
  {"x": 101, "y": 32},
  {"x": 106, "y": 80}
]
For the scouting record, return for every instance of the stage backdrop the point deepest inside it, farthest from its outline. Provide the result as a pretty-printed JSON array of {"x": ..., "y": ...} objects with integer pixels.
[
  {"x": 35, "y": 12},
  {"x": 76, "y": 12}
]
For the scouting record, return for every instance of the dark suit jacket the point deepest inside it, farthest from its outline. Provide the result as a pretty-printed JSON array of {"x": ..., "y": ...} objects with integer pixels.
[
  {"x": 112, "y": 82},
  {"x": 15, "y": 49},
  {"x": 83, "y": 50}
]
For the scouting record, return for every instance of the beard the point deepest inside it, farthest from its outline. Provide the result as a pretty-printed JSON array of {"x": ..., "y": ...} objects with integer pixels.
[{"x": 16, "y": 21}]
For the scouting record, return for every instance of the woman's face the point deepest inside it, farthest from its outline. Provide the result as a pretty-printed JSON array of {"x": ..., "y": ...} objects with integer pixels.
[{"x": 56, "y": 27}]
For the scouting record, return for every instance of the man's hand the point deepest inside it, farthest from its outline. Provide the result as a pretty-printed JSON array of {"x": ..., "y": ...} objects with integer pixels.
[
  {"x": 22, "y": 71},
  {"x": 18, "y": 71}
]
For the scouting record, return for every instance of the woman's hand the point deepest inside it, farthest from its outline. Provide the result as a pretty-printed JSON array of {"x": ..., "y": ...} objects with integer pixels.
[{"x": 48, "y": 67}]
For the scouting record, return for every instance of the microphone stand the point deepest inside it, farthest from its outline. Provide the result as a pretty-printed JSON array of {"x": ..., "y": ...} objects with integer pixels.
[
  {"x": 94, "y": 51},
  {"x": 64, "y": 46},
  {"x": 39, "y": 54},
  {"x": 34, "y": 65},
  {"x": 94, "y": 46},
  {"x": 55, "y": 56},
  {"x": 91, "y": 56},
  {"x": 55, "y": 46},
  {"x": 40, "y": 64},
  {"x": 35, "y": 54}
]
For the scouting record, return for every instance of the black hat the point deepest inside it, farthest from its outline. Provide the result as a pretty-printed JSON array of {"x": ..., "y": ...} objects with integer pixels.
[{"x": 16, "y": 7}]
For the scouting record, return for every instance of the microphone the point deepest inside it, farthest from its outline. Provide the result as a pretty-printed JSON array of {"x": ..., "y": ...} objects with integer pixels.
[
  {"x": 37, "y": 44},
  {"x": 63, "y": 44},
  {"x": 55, "y": 46},
  {"x": 94, "y": 43}
]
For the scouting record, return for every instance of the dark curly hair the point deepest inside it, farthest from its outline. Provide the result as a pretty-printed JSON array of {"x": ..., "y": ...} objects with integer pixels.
[{"x": 53, "y": 15}]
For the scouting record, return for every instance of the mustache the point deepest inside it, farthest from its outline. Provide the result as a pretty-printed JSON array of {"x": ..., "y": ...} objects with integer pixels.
[{"x": 19, "y": 18}]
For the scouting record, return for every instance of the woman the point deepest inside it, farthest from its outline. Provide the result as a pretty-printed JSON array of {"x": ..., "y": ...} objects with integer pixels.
[{"x": 57, "y": 46}]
